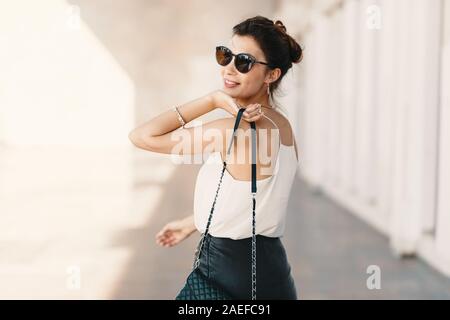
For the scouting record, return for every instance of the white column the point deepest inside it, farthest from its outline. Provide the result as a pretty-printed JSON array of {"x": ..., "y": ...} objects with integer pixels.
[
  {"x": 315, "y": 46},
  {"x": 402, "y": 239},
  {"x": 427, "y": 87},
  {"x": 443, "y": 216},
  {"x": 349, "y": 49},
  {"x": 322, "y": 115},
  {"x": 365, "y": 108},
  {"x": 415, "y": 115},
  {"x": 307, "y": 134},
  {"x": 332, "y": 98},
  {"x": 386, "y": 90}
]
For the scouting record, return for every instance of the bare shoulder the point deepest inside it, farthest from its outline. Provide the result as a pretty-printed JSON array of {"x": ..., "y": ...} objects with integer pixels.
[
  {"x": 272, "y": 120},
  {"x": 283, "y": 124},
  {"x": 286, "y": 130}
]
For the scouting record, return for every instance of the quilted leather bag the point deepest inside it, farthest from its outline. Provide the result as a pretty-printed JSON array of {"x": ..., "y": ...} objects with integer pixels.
[{"x": 198, "y": 286}]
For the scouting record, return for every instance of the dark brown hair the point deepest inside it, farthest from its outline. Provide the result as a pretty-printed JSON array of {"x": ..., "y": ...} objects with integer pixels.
[{"x": 280, "y": 49}]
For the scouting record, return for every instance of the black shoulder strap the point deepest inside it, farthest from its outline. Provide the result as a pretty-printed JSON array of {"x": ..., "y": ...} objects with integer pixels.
[
  {"x": 253, "y": 133},
  {"x": 253, "y": 190},
  {"x": 253, "y": 129}
]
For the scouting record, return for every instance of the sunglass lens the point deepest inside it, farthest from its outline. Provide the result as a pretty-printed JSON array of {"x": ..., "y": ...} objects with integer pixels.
[
  {"x": 243, "y": 63},
  {"x": 223, "y": 56}
]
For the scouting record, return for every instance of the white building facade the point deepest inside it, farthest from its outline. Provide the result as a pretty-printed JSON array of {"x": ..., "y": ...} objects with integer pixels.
[{"x": 373, "y": 114}]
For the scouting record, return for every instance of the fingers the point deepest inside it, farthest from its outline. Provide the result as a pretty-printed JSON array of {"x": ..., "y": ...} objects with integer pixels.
[
  {"x": 162, "y": 239},
  {"x": 168, "y": 242},
  {"x": 167, "y": 239},
  {"x": 170, "y": 235},
  {"x": 164, "y": 236},
  {"x": 253, "y": 112},
  {"x": 165, "y": 232}
]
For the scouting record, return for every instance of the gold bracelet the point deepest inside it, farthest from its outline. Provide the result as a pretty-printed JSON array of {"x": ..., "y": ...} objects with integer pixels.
[{"x": 180, "y": 118}]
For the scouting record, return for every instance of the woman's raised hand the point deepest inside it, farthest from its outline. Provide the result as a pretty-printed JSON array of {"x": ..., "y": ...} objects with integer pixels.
[
  {"x": 253, "y": 112},
  {"x": 222, "y": 100}
]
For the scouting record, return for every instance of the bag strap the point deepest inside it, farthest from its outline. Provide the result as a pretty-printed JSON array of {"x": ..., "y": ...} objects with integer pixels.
[
  {"x": 253, "y": 131},
  {"x": 253, "y": 191}
]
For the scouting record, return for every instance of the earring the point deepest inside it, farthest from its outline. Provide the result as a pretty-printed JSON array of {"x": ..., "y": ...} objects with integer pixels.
[{"x": 271, "y": 102}]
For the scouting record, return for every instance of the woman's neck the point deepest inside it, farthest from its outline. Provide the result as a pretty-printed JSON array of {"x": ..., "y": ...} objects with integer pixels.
[{"x": 261, "y": 98}]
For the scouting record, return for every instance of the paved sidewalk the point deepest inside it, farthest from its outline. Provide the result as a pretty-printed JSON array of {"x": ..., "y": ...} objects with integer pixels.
[{"x": 330, "y": 250}]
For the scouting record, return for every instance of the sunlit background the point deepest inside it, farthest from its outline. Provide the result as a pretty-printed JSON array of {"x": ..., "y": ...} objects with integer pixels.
[{"x": 369, "y": 213}]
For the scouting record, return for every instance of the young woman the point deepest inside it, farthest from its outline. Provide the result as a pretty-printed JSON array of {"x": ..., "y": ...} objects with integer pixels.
[{"x": 252, "y": 65}]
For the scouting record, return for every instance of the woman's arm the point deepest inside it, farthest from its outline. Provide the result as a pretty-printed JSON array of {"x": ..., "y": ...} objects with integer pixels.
[
  {"x": 168, "y": 120},
  {"x": 189, "y": 220},
  {"x": 160, "y": 134}
]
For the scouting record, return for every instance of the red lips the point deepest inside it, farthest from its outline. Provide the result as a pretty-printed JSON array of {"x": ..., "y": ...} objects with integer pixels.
[{"x": 229, "y": 83}]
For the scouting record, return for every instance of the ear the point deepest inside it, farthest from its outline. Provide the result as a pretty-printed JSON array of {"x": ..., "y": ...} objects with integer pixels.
[{"x": 273, "y": 75}]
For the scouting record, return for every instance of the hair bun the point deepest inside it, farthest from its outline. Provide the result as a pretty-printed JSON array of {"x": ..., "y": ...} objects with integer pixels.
[
  {"x": 295, "y": 51},
  {"x": 280, "y": 25}
]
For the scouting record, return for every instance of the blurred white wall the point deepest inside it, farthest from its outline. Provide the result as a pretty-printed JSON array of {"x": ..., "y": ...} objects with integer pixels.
[
  {"x": 59, "y": 85},
  {"x": 374, "y": 126},
  {"x": 443, "y": 184}
]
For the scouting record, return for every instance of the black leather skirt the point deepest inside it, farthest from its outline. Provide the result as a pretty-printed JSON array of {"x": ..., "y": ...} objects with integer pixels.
[{"x": 228, "y": 263}]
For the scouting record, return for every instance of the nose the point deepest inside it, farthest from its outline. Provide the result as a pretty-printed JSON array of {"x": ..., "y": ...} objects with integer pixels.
[{"x": 230, "y": 68}]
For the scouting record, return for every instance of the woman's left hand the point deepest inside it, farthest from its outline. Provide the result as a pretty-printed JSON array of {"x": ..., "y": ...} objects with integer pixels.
[{"x": 175, "y": 231}]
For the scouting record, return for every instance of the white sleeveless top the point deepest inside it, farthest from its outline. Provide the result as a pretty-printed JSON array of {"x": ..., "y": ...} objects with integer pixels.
[{"x": 232, "y": 217}]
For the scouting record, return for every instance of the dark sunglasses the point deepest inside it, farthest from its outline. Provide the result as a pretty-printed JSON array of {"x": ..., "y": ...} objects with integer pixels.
[{"x": 242, "y": 61}]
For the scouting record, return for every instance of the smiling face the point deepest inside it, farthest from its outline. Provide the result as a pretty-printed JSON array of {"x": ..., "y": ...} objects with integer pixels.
[{"x": 250, "y": 84}]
